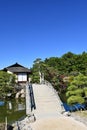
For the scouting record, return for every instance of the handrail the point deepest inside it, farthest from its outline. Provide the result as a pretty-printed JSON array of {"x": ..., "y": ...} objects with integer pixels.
[{"x": 31, "y": 94}]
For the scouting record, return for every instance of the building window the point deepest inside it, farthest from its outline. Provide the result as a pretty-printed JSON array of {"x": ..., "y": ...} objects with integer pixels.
[{"x": 22, "y": 77}]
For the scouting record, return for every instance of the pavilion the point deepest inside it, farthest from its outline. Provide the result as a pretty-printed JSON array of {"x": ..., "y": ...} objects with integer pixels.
[{"x": 22, "y": 73}]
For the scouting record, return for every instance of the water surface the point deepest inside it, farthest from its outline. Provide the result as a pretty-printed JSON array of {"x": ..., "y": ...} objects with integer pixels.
[{"x": 13, "y": 109}]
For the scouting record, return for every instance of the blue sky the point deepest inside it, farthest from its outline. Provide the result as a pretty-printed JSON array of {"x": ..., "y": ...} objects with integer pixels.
[{"x": 31, "y": 29}]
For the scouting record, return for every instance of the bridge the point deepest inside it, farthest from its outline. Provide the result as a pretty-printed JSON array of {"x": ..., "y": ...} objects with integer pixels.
[
  {"x": 48, "y": 103},
  {"x": 43, "y": 102}
]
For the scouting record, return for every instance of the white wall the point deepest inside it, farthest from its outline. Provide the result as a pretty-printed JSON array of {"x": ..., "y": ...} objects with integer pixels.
[{"x": 22, "y": 77}]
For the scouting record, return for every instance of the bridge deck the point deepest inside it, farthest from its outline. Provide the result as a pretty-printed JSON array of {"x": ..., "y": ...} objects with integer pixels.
[{"x": 47, "y": 102}]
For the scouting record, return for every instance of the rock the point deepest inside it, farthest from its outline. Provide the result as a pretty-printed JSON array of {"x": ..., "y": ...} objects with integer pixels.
[
  {"x": 23, "y": 95},
  {"x": 30, "y": 118},
  {"x": 22, "y": 91},
  {"x": 17, "y": 94},
  {"x": 67, "y": 113}
]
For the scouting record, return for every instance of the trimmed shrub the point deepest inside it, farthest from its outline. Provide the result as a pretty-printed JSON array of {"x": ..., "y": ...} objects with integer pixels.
[
  {"x": 75, "y": 99},
  {"x": 72, "y": 87},
  {"x": 79, "y": 92},
  {"x": 85, "y": 91},
  {"x": 70, "y": 93}
]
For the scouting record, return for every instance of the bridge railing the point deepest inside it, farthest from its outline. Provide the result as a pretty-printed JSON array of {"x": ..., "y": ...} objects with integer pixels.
[{"x": 32, "y": 100}]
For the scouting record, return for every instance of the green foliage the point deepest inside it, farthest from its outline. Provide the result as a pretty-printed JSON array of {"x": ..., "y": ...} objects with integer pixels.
[
  {"x": 77, "y": 88},
  {"x": 72, "y": 87},
  {"x": 68, "y": 64},
  {"x": 75, "y": 99},
  {"x": 85, "y": 91},
  {"x": 80, "y": 81},
  {"x": 68, "y": 73},
  {"x": 35, "y": 78},
  {"x": 6, "y": 83},
  {"x": 74, "y": 92},
  {"x": 70, "y": 93},
  {"x": 79, "y": 92}
]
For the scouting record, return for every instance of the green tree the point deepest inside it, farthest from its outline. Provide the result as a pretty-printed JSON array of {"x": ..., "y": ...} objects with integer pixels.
[
  {"x": 7, "y": 82},
  {"x": 77, "y": 89},
  {"x": 68, "y": 71},
  {"x": 36, "y": 69}
]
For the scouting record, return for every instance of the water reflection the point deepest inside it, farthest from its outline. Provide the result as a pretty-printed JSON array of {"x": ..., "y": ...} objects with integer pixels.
[
  {"x": 15, "y": 105},
  {"x": 12, "y": 109},
  {"x": 20, "y": 105},
  {"x": 9, "y": 105}
]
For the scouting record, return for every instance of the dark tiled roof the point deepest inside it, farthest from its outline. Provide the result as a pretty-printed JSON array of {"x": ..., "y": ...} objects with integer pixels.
[{"x": 17, "y": 68}]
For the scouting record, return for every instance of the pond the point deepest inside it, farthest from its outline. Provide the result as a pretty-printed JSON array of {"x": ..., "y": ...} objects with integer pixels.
[{"x": 13, "y": 109}]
